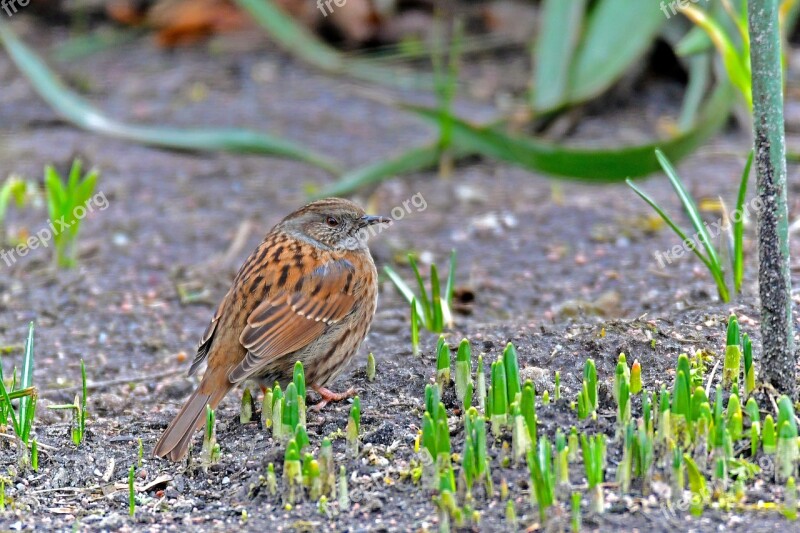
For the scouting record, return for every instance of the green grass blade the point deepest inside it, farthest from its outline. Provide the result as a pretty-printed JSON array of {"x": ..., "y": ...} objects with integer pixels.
[
  {"x": 404, "y": 290},
  {"x": 618, "y": 33},
  {"x": 19, "y": 393},
  {"x": 451, "y": 277},
  {"x": 74, "y": 176},
  {"x": 591, "y": 165},
  {"x": 26, "y": 382},
  {"x": 55, "y": 193},
  {"x": 413, "y": 160},
  {"x": 560, "y": 25},
  {"x": 691, "y": 210},
  {"x": 738, "y": 228},
  {"x": 737, "y": 65},
  {"x": 14, "y": 420},
  {"x": 423, "y": 295},
  {"x": 82, "y": 114},
  {"x": 436, "y": 302},
  {"x": 671, "y": 223}
]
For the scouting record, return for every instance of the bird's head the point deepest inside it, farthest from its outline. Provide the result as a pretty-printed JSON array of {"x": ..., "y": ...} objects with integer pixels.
[{"x": 334, "y": 223}]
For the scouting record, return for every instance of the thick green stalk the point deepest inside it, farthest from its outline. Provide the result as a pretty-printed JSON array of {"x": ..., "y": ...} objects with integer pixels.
[{"x": 778, "y": 360}]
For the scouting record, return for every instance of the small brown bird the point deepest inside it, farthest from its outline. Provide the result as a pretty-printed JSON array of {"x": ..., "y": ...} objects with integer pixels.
[{"x": 307, "y": 293}]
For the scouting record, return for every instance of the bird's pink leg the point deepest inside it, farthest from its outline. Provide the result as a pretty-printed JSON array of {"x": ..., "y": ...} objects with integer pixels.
[{"x": 330, "y": 396}]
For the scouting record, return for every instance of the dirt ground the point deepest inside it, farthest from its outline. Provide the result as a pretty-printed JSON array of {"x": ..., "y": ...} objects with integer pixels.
[{"x": 549, "y": 264}]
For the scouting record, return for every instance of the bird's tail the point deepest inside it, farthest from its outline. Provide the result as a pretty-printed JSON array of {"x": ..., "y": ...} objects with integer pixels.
[{"x": 176, "y": 439}]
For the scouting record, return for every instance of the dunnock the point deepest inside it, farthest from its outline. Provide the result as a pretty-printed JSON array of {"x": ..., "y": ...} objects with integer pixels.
[{"x": 307, "y": 293}]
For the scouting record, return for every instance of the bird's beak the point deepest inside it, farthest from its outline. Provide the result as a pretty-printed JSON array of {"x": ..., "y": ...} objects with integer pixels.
[{"x": 369, "y": 220}]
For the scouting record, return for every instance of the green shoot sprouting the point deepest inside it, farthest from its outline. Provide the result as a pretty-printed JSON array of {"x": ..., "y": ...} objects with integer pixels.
[
  {"x": 246, "y": 407},
  {"x": 769, "y": 440},
  {"x": 414, "y": 328},
  {"x": 477, "y": 431},
  {"x": 432, "y": 312},
  {"x": 572, "y": 445},
  {"x": 24, "y": 391},
  {"x": 511, "y": 364},
  {"x": 131, "y": 492},
  {"x": 463, "y": 369},
  {"x": 644, "y": 455},
  {"x": 751, "y": 408},
  {"x": 481, "y": 380},
  {"x": 272, "y": 480},
  {"x": 590, "y": 377},
  {"x": 528, "y": 410},
  {"x": 594, "y": 461},
  {"x": 499, "y": 398},
  {"x": 749, "y": 367},
  {"x": 561, "y": 460},
  {"x": 575, "y": 512},
  {"x": 697, "y": 484},
  {"x": 266, "y": 409},
  {"x": 442, "y": 364},
  {"x": 681, "y": 408},
  {"x": 315, "y": 481},
  {"x": 520, "y": 438},
  {"x": 353, "y": 426},
  {"x": 82, "y": 413},
  {"x": 64, "y": 200},
  {"x": 787, "y": 450},
  {"x": 511, "y": 516},
  {"x": 35, "y": 455},
  {"x": 733, "y": 354},
  {"x": 542, "y": 478},
  {"x": 277, "y": 413},
  {"x": 78, "y": 408},
  {"x": 790, "y": 500},
  {"x": 677, "y": 481},
  {"x": 344, "y": 496},
  {"x": 327, "y": 471},
  {"x": 292, "y": 473},
  {"x": 13, "y": 188},
  {"x": 636, "y": 377},
  {"x": 301, "y": 438},
  {"x": 702, "y": 238},
  {"x": 625, "y": 467},
  {"x": 290, "y": 412},
  {"x": 557, "y": 387},
  {"x": 734, "y": 418},
  {"x": 299, "y": 380},
  {"x": 371, "y": 369},
  {"x": 623, "y": 401},
  {"x": 211, "y": 451}
]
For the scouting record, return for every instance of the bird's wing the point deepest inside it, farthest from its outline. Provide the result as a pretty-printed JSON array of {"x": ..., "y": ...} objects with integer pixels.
[
  {"x": 290, "y": 319},
  {"x": 208, "y": 337}
]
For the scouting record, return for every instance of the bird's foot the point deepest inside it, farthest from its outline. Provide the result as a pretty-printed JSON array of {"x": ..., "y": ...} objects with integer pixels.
[{"x": 330, "y": 396}]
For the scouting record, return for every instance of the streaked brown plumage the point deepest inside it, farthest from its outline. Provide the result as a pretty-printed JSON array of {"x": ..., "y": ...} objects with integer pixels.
[{"x": 307, "y": 293}]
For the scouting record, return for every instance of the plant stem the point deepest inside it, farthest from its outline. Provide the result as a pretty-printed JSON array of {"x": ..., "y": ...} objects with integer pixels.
[{"x": 778, "y": 361}]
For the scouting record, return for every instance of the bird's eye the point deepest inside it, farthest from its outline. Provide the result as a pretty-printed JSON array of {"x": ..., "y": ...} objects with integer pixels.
[{"x": 332, "y": 222}]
